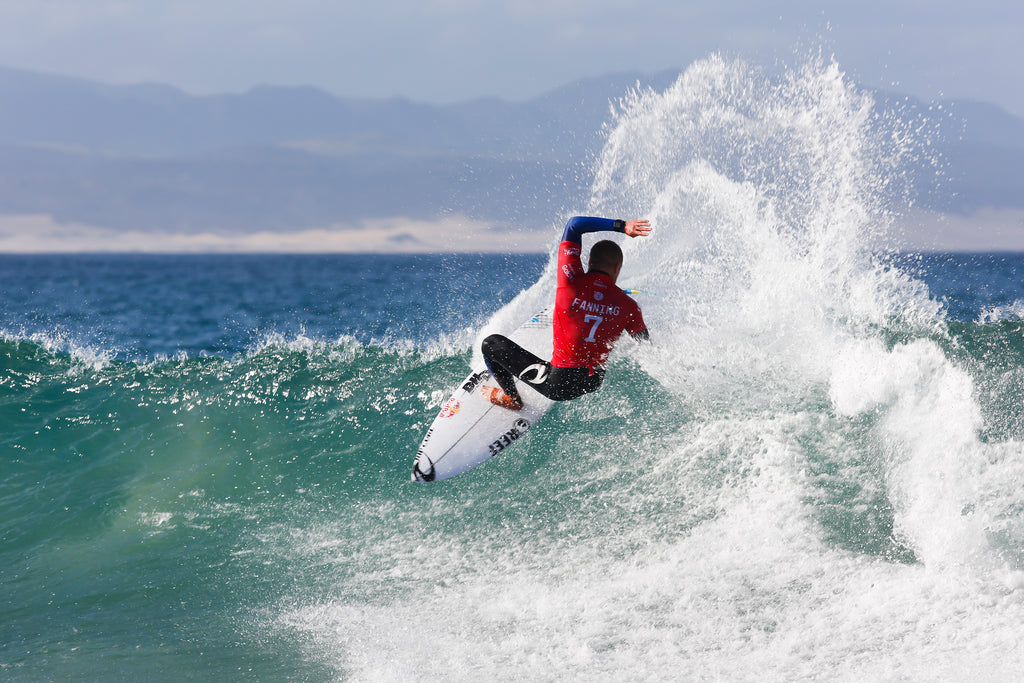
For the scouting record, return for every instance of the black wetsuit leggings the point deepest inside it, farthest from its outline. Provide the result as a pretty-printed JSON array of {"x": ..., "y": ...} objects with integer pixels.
[{"x": 507, "y": 360}]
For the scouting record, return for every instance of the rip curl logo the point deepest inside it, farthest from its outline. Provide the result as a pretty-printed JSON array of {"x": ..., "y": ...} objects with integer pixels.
[
  {"x": 423, "y": 468},
  {"x": 534, "y": 374},
  {"x": 450, "y": 408},
  {"x": 423, "y": 471}
]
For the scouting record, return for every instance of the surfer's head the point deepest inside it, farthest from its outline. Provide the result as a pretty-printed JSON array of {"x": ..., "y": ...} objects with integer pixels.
[{"x": 606, "y": 256}]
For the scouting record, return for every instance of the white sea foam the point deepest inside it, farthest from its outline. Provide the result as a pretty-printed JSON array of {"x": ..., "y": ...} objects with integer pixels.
[
  {"x": 1013, "y": 311},
  {"x": 60, "y": 342}
]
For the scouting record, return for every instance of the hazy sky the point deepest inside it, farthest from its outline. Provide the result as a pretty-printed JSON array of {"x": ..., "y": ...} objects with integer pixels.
[{"x": 452, "y": 50}]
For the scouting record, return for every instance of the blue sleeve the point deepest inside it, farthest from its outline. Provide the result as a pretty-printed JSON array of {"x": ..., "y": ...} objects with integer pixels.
[{"x": 578, "y": 225}]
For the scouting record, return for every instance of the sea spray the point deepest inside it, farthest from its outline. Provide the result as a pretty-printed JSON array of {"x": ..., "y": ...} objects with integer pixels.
[{"x": 770, "y": 199}]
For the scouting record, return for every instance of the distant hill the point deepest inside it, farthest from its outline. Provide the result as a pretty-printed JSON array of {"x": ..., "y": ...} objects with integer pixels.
[{"x": 153, "y": 157}]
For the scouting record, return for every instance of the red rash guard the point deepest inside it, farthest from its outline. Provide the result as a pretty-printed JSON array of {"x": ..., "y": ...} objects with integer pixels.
[{"x": 590, "y": 311}]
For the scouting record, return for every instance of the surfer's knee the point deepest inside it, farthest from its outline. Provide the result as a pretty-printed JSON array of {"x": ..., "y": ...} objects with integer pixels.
[{"x": 491, "y": 344}]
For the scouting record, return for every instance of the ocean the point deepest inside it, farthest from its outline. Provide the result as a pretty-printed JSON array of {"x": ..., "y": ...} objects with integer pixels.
[{"x": 814, "y": 472}]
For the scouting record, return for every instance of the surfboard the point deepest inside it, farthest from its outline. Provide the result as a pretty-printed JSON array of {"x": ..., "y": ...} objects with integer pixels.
[{"x": 469, "y": 429}]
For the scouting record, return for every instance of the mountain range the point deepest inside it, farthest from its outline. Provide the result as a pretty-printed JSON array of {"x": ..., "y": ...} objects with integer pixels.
[{"x": 152, "y": 157}]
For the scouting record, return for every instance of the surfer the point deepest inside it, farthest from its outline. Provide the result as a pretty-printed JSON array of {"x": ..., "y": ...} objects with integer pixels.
[{"x": 590, "y": 314}]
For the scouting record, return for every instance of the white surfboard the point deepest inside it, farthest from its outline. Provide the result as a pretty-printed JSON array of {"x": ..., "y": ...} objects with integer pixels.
[{"x": 470, "y": 429}]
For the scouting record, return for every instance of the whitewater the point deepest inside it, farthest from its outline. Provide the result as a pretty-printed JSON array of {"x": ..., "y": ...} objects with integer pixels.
[{"x": 814, "y": 472}]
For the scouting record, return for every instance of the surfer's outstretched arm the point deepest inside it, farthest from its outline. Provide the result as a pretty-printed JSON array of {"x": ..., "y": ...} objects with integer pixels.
[{"x": 577, "y": 226}]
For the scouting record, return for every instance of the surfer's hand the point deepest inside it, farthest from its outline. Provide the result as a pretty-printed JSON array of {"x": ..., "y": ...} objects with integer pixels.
[{"x": 637, "y": 228}]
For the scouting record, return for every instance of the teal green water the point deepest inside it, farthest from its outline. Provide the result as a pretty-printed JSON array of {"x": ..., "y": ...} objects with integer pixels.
[{"x": 134, "y": 495}]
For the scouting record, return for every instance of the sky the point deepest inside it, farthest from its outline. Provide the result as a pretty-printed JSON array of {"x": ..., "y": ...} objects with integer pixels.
[{"x": 447, "y": 51}]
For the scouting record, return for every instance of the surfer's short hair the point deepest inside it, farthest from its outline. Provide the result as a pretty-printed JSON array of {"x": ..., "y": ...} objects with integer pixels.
[{"x": 605, "y": 254}]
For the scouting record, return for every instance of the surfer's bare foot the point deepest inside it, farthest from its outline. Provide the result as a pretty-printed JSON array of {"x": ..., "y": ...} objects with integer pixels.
[{"x": 499, "y": 398}]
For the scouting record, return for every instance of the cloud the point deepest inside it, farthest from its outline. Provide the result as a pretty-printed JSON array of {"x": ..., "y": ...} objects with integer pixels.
[
  {"x": 32, "y": 234},
  {"x": 985, "y": 230}
]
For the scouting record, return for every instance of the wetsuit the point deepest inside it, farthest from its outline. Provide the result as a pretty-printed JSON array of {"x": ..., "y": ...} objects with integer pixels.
[{"x": 590, "y": 315}]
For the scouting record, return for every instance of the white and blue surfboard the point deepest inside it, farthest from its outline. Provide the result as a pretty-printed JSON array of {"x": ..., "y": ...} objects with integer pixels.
[{"x": 469, "y": 429}]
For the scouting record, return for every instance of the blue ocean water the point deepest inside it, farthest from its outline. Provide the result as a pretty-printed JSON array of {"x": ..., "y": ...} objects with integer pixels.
[
  {"x": 224, "y": 305},
  {"x": 813, "y": 473}
]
